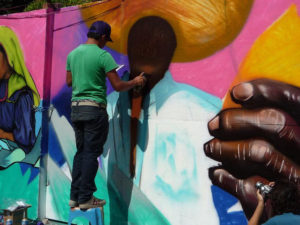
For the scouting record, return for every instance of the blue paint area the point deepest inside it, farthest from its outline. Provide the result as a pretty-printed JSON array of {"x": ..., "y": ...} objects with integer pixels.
[
  {"x": 25, "y": 166},
  {"x": 223, "y": 201},
  {"x": 33, "y": 171},
  {"x": 55, "y": 149},
  {"x": 38, "y": 120},
  {"x": 62, "y": 102}
]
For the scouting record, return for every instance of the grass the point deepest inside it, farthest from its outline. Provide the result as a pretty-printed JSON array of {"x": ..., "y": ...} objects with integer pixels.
[{"x": 39, "y": 4}]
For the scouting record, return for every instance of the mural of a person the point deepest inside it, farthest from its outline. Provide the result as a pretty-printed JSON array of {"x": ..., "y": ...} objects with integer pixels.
[
  {"x": 168, "y": 129},
  {"x": 169, "y": 166},
  {"x": 171, "y": 170},
  {"x": 258, "y": 139},
  {"x": 18, "y": 97}
]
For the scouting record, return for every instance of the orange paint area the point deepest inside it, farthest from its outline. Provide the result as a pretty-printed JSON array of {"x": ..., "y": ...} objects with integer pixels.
[
  {"x": 136, "y": 106},
  {"x": 274, "y": 55},
  {"x": 201, "y": 27}
]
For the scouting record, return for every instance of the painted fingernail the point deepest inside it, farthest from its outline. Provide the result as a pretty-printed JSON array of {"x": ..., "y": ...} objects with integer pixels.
[
  {"x": 243, "y": 91},
  {"x": 207, "y": 148},
  {"x": 213, "y": 124}
]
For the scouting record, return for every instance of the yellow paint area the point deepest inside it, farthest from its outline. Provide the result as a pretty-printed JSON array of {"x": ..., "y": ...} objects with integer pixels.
[
  {"x": 202, "y": 27},
  {"x": 274, "y": 55}
]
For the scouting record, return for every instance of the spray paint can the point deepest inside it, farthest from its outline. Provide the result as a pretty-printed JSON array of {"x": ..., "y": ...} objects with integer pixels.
[
  {"x": 9, "y": 222},
  {"x": 139, "y": 88},
  {"x": 24, "y": 221}
]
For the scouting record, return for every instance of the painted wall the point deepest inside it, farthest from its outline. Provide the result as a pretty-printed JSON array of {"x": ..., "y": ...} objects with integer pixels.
[
  {"x": 22, "y": 37},
  {"x": 187, "y": 122}
]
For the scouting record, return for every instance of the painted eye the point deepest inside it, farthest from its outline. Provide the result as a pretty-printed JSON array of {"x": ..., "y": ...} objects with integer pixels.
[{"x": 202, "y": 27}]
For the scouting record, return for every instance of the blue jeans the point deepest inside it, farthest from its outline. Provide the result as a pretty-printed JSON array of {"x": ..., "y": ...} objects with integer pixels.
[{"x": 90, "y": 124}]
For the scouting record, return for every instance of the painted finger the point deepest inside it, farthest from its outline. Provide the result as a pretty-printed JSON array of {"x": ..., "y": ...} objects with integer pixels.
[
  {"x": 268, "y": 93},
  {"x": 274, "y": 125},
  {"x": 254, "y": 155}
]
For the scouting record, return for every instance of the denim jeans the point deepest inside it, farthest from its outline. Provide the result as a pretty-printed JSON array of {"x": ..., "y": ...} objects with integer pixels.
[{"x": 90, "y": 124}]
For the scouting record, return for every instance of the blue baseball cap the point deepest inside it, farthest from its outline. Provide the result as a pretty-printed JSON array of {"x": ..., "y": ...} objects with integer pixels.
[{"x": 101, "y": 28}]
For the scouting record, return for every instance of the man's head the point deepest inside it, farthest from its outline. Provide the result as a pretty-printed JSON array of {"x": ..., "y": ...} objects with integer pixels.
[
  {"x": 100, "y": 31},
  {"x": 151, "y": 45},
  {"x": 285, "y": 198}
]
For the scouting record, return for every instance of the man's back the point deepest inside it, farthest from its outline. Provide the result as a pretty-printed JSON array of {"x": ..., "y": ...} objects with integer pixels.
[{"x": 89, "y": 65}]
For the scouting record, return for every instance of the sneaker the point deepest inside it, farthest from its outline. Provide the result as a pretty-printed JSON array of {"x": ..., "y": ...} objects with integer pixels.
[
  {"x": 73, "y": 204},
  {"x": 93, "y": 203}
]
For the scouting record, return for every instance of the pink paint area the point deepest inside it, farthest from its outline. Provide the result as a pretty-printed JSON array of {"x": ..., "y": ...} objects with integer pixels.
[
  {"x": 30, "y": 30},
  {"x": 215, "y": 73},
  {"x": 69, "y": 31}
]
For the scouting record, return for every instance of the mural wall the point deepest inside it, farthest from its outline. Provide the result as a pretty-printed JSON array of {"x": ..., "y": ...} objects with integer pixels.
[
  {"x": 21, "y": 88},
  {"x": 218, "y": 113}
]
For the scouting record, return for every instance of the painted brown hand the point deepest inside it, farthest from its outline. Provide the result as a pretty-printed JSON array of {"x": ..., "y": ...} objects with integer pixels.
[{"x": 259, "y": 141}]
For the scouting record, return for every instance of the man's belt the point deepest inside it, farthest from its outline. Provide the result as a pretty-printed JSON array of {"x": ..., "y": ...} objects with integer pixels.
[{"x": 89, "y": 103}]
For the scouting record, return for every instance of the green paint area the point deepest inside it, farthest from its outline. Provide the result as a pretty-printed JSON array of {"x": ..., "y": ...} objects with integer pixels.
[
  {"x": 124, "y": 205},
  {"x": 15, "y": 186}
]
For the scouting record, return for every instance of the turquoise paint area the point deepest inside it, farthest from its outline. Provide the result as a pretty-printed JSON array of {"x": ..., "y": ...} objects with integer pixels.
[
  {"x": 184, "y": 194},
  {"x": 117, "y": 211},
  {"x": 15, "y": 186},
  {"x": 38, "y": 118},
  {"x": 169, "y": 141},
  {"x": 135, "y": 207},
  {"x": 207, "y": 101}
]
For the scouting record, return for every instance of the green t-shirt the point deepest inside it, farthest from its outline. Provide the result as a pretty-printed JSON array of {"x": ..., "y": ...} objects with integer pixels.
[{"x": 89, "y": 64}]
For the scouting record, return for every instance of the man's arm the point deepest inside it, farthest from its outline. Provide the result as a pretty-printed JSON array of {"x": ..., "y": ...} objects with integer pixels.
[
  {"x": 69, "y": 78},
  {"x": 254, "y": 220},
  {"x": 120, "y": 85}
]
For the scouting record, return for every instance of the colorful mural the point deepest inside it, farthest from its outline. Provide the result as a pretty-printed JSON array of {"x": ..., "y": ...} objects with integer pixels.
[
  {"x": 20, "y": 123},
  {"x": 218, "y": 113}
]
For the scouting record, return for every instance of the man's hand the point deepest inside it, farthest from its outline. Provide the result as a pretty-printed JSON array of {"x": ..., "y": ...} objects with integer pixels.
[
  {"x": 140, "y": 80},
  {"x": 120, "y": 85},
  {"x": 258, "y": 142},
  {"x": 259, "y": 196},
  {"x": 254, "y": 220}
]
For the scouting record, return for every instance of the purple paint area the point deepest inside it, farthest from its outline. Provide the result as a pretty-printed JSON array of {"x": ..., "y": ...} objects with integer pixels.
[{"x": 121, "y": 60}]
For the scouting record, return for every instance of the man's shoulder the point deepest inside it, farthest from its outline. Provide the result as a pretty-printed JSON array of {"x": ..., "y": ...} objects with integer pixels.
[
  {"x": 104, "y": 53},
  {"x": 73, "y": 52},
  {"x": 87, "y": 48}
]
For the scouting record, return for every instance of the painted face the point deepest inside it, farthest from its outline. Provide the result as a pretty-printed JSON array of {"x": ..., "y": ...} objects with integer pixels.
[
  {"x": 3, "y": 65},
  {"x": 151, "y": 45}
]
